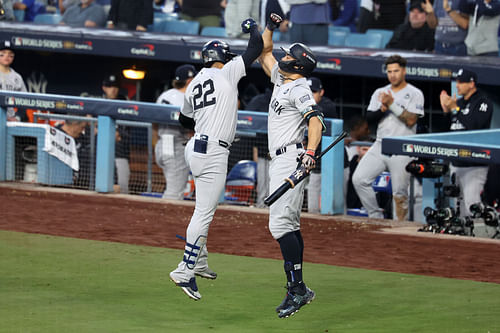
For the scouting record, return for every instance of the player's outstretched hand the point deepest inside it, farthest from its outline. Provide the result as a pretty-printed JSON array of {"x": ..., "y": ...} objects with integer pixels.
[
  {"x": 247, "y": 25},
  {"x": 274, "y": 21},
  {"x": 308, "y": 160}
]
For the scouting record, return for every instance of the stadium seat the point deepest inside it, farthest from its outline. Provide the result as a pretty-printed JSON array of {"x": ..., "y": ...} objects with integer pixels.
[
  {"x": 19, "y": 14},
  {"x": 337, "y": 37},
  {"x": 370, "y": 41},
  {"x": 386, "y": 34},
  {"x": 214, "y": 31},
  {"x": 47, "y": 19},
  {"x": 276, "y": 36},
  {"x": 240, "y": 183},
  {"x": 181, "y": 27},
  {"x": 338, "y": 28}
]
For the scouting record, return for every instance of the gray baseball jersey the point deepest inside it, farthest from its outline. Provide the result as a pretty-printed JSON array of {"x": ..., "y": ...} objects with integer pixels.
[
  {"x": 210, "y": 100},
  {"x": 169, "y": 150},
  {"x": 410, "y": 98},
  {"x": 12, "y": 81},
  {"x": 374, "y": 162},
  {"x": 286, "y": 125}
]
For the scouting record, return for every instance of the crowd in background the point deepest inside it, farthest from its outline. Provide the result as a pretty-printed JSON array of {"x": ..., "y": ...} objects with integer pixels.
[{"x": 463, "y": 27}]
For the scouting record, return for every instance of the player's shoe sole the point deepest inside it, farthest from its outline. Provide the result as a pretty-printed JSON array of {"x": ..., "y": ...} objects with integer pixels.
[
  {"x": 189, "y": 288},
  {"x": 296, "y": 302},
  {"x": 206, "y": 274}
]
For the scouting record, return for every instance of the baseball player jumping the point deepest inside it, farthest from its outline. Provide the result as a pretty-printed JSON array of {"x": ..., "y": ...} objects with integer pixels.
[
  {"x": 395, "y": 108},
  {"x": 210, "y": 108},
  {"x": 292, "y": 108}
]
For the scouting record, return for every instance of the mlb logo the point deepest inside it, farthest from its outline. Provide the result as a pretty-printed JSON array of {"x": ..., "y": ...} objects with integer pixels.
[
  {"x": 407, "y": 148},
  {"x": 18, "y": 41},
  {"x": 11, "y": 101}
]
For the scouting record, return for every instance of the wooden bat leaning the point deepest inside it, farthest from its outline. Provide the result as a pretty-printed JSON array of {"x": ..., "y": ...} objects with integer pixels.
[{"x": 299, "y": 175}]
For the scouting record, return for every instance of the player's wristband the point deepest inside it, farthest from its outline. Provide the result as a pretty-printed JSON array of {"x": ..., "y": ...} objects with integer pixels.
[
  {"x": 310, "y": 152},
  {"x": 396, "y": 109}
]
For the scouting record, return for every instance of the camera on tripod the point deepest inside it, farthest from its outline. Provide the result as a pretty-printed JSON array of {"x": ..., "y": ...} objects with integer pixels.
[
  {"x": 426, "y": 168},
  {"x": 487, "y": 213},
  {"x": 447, "y": 221}
]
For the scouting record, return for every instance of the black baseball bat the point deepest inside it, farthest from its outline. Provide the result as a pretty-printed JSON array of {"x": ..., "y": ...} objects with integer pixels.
[{"x": 299, "y": 175}]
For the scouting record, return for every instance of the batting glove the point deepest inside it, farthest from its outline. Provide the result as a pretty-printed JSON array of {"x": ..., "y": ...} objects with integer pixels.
[
  {"x": 248, "y": 24},
  {"x": 274, "y": 21},
  {"x": 308, "y": 159}
]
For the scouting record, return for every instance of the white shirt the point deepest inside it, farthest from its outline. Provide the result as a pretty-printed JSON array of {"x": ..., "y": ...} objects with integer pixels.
[
  {"x": 409, "y": 98},
  {"x": 176, "y": 98}
]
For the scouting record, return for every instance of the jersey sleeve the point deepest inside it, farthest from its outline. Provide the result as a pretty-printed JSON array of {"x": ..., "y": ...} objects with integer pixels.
[
  {"x": 302, "y": 98},
  {"x": 187, "y": 107},
  {"x": 375, "y": 104},
  {"x": 416, "y": 104},
  {"x": 275, "y": 74},
  {"x": 234, "y": 70}
]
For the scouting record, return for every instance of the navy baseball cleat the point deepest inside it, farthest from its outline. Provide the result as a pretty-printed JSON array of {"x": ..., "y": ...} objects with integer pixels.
[
  {"x": 296, "y": 302},
  {"x": 284, "y": 303},
  {"x": 207, "y": 273},
  {"x": 189, "y": 288}
]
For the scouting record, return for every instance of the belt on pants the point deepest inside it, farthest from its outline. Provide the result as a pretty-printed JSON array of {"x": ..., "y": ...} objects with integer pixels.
[
  {"x": 283, "y": 150},
  {"x": 201, "y": 142}
]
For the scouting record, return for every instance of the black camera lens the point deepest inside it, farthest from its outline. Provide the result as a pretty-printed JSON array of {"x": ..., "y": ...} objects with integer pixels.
[
  {"x": 429, "y": 212},
  {"x": 446, "y": 213}
]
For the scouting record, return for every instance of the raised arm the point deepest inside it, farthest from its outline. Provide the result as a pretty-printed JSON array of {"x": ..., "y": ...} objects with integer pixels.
[
  {"x": 266, "y": 58},
  {"x": 255, "y": 44}
]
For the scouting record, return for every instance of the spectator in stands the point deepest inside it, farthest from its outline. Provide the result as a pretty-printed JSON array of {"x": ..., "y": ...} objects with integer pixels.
[
  {"x": 236, "y": 12},
  {"x": 208, "y": 12},
  {"x": 111, "y": 90},
  {"x": 381, "y": 14},
  {"x": 65, "y": 4},
  {"x": 482, "y": 33},
  {"x": 85, "y": 14},
  {"x": 329, "y": 110},
  {"x": 345, "y": 13},
  {"x": 450, "y": 24},
  {"x": 169, "y": 150},
  {"x": 473, "y": 111},
  {"x": 415, "y": 35},
  {"x": 31, "y": 9},
  {"x": 130, "y": 14},
  {"x": 9, "y": 78},
  {"x": 167, "y": 6},
  {"x": 279, "y": 7},
  {"x": 8, "y": 11},
  {"x": 309, "y": 21},
  {"x": 395, "y": 108},
  {"x": 260, "y": 103}
]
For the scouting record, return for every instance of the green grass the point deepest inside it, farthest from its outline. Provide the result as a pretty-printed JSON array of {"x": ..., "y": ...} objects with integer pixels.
[{"x": 56, "y": 284}]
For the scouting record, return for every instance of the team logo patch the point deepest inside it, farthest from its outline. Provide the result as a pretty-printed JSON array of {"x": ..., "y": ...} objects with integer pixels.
[{"x": 304, "y": 98}]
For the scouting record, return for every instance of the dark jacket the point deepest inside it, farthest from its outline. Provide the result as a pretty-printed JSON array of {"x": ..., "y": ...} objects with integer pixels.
[
  {"x": 407, "y": 38},
  {"x": 131, "y": 13},
  {"x": 475, "y": 114}
]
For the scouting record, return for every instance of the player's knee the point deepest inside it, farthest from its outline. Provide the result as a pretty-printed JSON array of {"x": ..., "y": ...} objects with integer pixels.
[{"x": 359, "y": 181}]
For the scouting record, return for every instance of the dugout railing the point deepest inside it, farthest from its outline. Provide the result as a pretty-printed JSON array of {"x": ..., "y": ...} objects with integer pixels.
[{"x": 109, "y": 112}]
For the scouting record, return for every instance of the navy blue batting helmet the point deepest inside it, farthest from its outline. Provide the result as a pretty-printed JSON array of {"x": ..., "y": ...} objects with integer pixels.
[
  {"x": 216, "y": 51},
  {"x": 304, "y": 61}
]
